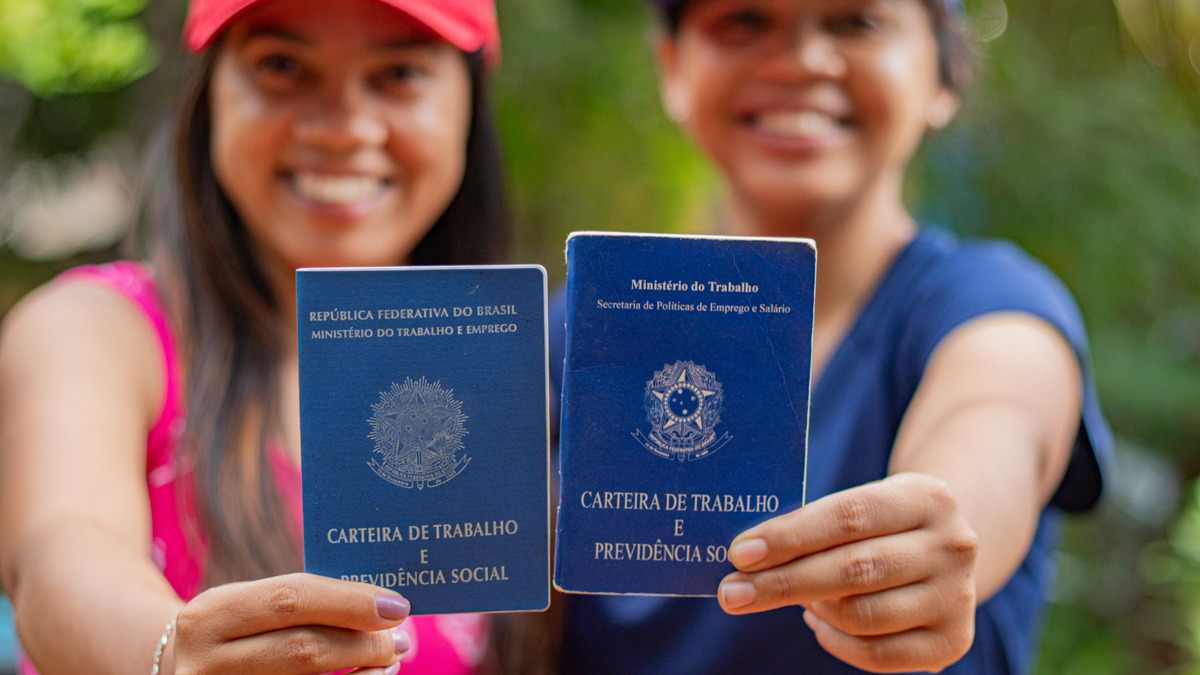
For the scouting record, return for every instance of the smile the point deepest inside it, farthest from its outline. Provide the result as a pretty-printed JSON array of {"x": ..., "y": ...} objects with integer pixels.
[
  {"x": 336, "y": 190},
  {"x": 800, "y": 124}
]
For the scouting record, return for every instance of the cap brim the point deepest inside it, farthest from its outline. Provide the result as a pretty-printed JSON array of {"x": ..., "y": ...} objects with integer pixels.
[{"x": 453, "y": 22}]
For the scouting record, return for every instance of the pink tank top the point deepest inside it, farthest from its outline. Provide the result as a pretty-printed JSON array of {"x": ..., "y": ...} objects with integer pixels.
[{"x": 447, "y": 645}]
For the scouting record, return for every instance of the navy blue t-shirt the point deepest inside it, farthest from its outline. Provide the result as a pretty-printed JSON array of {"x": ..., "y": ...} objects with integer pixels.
[{"x": 934, "y": 285}]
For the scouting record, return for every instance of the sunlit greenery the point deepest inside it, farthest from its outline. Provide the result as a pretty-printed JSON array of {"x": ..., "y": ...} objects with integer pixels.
[
  {"x": 587, "y": 144},
  {"x": 1081, "y": 142},
  {"x": 56, "y": 46}
]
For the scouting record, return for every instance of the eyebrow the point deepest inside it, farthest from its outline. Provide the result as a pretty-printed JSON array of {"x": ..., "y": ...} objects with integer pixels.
[{"x": 278, "y": 33}]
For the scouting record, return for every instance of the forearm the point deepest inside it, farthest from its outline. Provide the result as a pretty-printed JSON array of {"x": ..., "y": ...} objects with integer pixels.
[
  {"x": 995, "y": 417},
  {"x": 989, "y": 459},
  {"x": 86, "y": 603}
]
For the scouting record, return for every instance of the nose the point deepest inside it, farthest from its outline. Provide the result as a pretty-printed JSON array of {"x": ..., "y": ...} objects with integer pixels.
[
  {"x": 811, "y": 52},
  {"x": 342, "y": 119}
]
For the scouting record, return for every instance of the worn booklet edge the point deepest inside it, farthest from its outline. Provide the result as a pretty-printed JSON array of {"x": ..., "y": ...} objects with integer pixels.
[{"x": 808, "y": 413}]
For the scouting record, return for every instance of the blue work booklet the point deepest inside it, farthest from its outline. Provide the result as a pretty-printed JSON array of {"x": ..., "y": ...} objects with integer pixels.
[
  {"x": 685, "y": 405},
  {"x": 424, "y": 435}
]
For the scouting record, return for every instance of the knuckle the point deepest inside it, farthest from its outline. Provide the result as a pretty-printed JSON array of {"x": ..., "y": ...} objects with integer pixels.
[
  {"x": 793, "y": 530},
  {"x": 859, "y": 615},
  {"x": 954, "y": 641},
  {"x": 780, "y": 587},
  {"x": 963, "y": 598},
  {"x": 383, "y": 645},
  {"x": 854, "y": 515},
  {"x": 875, "y": 654},
  {"x": 963, "y": 546},
  {"x": 185, "y": 622},
  {"x": 284, "y": 599},
  {"x": 306, "y": 651},
  {"x": 941, "y": 499},
  {"x": 862, "y": 569},
  {"x": 193, "y": 624}
]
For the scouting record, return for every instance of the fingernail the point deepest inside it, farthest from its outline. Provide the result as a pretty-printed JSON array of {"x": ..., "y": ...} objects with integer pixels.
[
  {"x": 392, "y": 607},
  {"x": 737, "y": 594},
  {"x": 749, "y": 552},
  {"x": 403, "y": 641},
  {"x": 392, "y": 669}
]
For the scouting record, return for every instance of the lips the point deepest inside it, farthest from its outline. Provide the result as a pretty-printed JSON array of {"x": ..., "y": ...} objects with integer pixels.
[{"x": 336, "y": 190}]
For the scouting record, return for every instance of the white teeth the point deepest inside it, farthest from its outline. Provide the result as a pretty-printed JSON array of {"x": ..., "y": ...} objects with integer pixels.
[
  {"x": 801, "y": 124},
  {"x": 327, "y": 189}
]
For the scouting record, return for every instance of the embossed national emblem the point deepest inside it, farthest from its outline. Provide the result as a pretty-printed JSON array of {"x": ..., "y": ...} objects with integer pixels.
[
  {"x": 683, "y": 405},
  {"x": 418, "y": 428}
]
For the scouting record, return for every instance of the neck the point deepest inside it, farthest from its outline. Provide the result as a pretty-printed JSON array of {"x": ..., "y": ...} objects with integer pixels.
[{"x": 856, "y": 244}]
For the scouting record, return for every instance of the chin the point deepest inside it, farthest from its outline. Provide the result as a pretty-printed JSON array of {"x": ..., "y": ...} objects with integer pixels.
[
  {"x": 337, "y": 252},
  {"x": 828, "y": 169},
  {"x": 352, "y": 243},
  {"x": 353, "y": 257},
  {"x": 801, "y": 195}
]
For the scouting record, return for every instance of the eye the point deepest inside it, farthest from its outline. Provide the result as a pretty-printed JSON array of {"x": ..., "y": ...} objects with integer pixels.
[
  {"x": 400, "y": 74},
  {"x": 279, "y": 65},
  {"x": 855, "y": 23},
  {"x": 280, "y": 73},
  {"x": 749, "y": 20},
  {"x": 741, "y": 26}
]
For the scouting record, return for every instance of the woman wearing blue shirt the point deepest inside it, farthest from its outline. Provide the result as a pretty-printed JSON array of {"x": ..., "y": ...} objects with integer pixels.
[{"x": 953, "y": 413}]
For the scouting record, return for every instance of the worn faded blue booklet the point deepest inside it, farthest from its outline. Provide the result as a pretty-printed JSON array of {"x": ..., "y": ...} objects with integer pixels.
[
  {"x": 424, "y": 435},
  {"x": 685, "y": 405}
]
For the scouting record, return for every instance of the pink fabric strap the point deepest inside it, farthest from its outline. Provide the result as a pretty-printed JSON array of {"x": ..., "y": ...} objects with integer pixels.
[{"x": 134, "y": 282}]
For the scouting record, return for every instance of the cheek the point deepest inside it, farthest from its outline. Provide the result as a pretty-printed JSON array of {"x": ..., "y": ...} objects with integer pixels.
[
  {"x": 246, "y": 136},
  {"x": 898, "y": 85},
  {"x": 429, "y": 145},
  {"x": 710, "y": 87}
]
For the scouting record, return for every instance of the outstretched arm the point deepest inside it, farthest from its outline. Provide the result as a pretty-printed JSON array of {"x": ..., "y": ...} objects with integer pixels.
[
  {"x": 80, "y": 385},
  {"x": 79, "y": 388},
  {"x": 891, "y": 572}
]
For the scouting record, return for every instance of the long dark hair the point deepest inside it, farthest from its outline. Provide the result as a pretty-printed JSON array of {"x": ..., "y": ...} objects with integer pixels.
[{"x": 230, "y": 327}]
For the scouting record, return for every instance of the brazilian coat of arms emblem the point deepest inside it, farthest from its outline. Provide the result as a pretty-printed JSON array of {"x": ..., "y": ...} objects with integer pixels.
[
  {"x": 417, "y": 428},
  {"x": 683, "y": 404}
]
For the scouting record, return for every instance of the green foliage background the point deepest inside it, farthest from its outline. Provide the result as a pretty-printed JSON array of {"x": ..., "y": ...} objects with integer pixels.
[{"x": 1081, "y": 143}]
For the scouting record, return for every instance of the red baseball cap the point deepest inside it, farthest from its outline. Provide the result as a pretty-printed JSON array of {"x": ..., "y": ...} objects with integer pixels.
[{"x": 469, "y": 25}]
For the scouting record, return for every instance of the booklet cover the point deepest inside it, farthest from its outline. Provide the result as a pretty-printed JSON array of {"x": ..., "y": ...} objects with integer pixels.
[
  {"x": 685, "y": 405},
  {"x": 424, "y": 435}
]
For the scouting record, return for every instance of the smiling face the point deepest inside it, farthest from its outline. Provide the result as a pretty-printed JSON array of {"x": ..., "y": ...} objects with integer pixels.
[
  {"x": 339, "y": 130},
  {"x": 806, "y": 106}
]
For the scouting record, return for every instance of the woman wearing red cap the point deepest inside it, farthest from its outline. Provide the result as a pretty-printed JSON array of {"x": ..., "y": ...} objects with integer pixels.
[
  {"x": 150, "y": 411},
  {"x": 953, "y": 415}
]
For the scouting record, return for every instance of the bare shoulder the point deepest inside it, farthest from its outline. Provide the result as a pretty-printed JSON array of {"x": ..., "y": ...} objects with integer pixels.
[
  {"x": 1014, "y": 351},
  {"x": 73, "y": 336},
  {"x": 1006, "y": 383}
]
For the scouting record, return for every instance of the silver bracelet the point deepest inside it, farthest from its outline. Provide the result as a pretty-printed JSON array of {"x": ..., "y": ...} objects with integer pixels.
[{"x": 162, "y": 644}]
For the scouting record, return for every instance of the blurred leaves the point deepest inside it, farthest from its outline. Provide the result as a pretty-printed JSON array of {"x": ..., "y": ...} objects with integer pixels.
[
  {"x": 1167, "y": 33},
  {"x": 1081, "y": 143},
  {"x": 59, "y": 46},
  {"x": 586, "y": 142}
]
